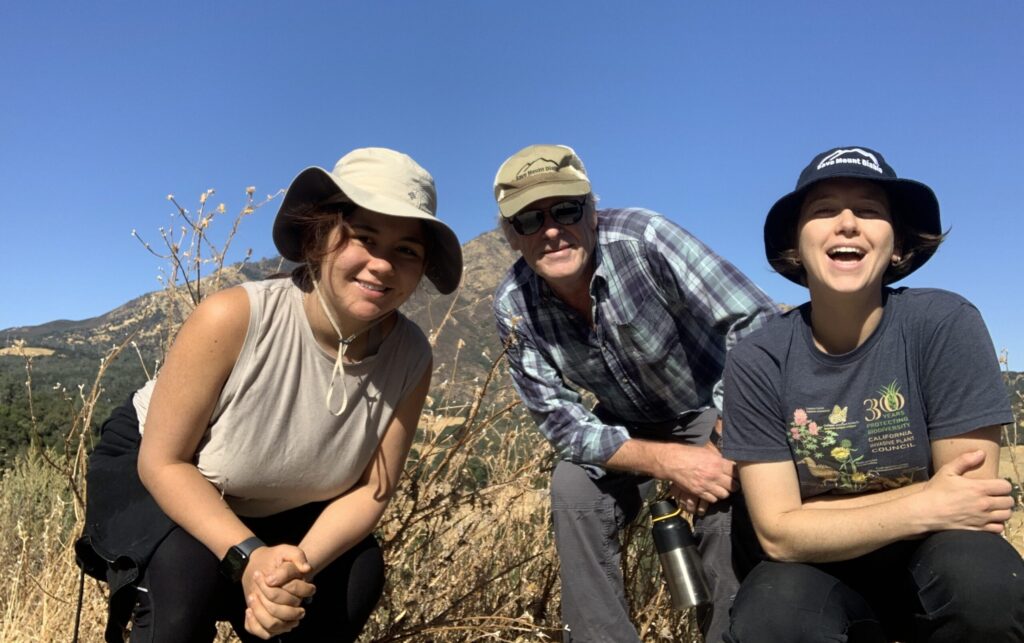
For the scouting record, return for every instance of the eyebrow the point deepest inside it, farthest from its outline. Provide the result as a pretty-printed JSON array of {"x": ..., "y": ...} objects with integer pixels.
[{"x": 370, "y": 228}]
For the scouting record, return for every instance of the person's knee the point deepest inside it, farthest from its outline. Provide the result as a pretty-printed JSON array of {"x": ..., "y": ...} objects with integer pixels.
[
  {"x": 972, "y": 582},
  {"x": 366, "y": 577},
  {"x": 571, "y": 487},
  {"x": 795, "y": 602},
  {"x": 351, "y": 585},
  {"x": 176, "y": 595}
]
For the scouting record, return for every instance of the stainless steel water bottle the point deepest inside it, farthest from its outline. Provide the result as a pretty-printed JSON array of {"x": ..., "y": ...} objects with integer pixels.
[{"x": 680, "y": 561}]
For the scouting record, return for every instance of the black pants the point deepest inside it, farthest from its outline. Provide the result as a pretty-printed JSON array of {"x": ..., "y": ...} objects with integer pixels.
[
  {"x": 953, "y": 586},
  {"x": 181, "y": 595}
]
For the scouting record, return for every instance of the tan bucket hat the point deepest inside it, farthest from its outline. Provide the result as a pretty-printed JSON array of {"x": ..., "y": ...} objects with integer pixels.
[
  {"x": 381, "y": 180},
  {"x": 538, "y": 172}
]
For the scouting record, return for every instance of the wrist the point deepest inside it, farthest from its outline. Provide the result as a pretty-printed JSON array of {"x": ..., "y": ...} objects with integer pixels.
[{"x": 235, "y": 561}]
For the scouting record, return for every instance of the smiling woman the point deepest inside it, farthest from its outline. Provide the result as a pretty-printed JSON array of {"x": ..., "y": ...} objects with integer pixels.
[
  {"x": 865, "y": 426},
  {"x": 276, "y": 431}
]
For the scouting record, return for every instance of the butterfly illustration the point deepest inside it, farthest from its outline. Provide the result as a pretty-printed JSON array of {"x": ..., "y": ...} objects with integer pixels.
[{"x": 838, "y": 415}]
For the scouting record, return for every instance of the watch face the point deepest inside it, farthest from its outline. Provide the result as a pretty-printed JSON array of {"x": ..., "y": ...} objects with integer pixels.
[{"x": 234, "y": 564}]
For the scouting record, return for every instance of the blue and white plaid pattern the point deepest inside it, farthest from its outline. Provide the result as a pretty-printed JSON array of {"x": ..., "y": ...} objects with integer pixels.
[{"x": 666, "y": 310}]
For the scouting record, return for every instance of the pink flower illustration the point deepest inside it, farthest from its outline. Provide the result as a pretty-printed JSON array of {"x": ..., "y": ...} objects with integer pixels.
[
  {"x": 800, "y": 416},
  {"x": 813, "y": 428},
  {"x": 796, "y": 433}
]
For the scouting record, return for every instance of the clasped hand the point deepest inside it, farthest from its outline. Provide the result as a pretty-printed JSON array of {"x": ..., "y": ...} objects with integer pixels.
[
  {"x": 959, "y": 502},
  {"x": 276, "y": 587}
]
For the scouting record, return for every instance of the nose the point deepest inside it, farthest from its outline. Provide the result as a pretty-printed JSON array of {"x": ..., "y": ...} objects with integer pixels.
[
  {"x": 846, "y": 221},
  {"x": 381, "y": 263},
  {"x": 550, "y": 228}
]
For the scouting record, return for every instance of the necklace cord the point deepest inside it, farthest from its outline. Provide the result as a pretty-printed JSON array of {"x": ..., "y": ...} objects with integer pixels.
[{"x": 338, "y": 372}]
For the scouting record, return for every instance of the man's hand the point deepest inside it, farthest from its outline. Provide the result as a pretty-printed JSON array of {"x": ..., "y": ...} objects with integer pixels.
[
  {"x": 700, "y": 476},
  {"x": 275, "y": 587},
  {"x": 693, "y": 503},
  {"x": 697, "y": 473}
]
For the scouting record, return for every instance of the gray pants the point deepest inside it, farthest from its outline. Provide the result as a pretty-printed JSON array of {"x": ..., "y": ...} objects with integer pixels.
[{"x": 588, "y": 514}]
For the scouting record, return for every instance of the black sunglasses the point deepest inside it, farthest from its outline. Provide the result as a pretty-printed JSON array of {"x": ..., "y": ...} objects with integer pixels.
[{"x": 563, "y": 213}]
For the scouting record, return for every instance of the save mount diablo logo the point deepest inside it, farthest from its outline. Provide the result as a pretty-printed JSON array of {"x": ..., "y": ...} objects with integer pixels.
[
  {"x": 539, "y": 166},
  {"x": 852, "y": 156}
]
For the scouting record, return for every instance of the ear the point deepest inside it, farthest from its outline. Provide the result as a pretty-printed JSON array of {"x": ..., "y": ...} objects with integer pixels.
[{"x": 897, "y": 254}]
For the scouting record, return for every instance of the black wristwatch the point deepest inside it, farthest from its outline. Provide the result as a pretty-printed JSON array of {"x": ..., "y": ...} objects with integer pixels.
[{"x": 234, "y": 562}]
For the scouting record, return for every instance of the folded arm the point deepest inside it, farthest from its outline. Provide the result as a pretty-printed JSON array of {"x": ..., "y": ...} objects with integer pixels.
[{"x": 964, "y": 493}]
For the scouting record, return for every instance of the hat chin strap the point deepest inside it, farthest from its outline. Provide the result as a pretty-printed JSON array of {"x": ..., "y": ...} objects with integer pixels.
[{"x": 338, "y": 372}]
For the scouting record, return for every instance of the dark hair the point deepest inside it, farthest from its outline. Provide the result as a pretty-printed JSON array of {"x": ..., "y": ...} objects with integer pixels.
[
  {"x": 908, "y": 240},
  {"x": 317, "y": 222}
]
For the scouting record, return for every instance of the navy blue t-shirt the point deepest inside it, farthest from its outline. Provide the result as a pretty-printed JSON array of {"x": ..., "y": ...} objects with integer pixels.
[{"x": 864, "y": 421}]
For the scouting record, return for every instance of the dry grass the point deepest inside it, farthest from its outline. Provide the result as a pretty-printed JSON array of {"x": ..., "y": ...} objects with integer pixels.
[{"x": 467, "y": 539}]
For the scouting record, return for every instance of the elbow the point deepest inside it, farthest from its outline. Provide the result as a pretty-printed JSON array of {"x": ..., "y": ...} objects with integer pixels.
[
  {"x": 149, "y": 467},
  {"x": 779, "y": 549},
  {"x": 780, "y": 554},
  {"x": 146, "y": 472}
]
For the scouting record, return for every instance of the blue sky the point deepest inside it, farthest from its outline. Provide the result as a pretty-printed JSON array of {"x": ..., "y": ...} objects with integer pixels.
[{"x": 705, "y": 112}]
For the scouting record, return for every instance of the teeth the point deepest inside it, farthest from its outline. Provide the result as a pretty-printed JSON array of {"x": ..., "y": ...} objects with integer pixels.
[
  {"x": 372, "y": 287},
  {"x": 845, "y": 250}
]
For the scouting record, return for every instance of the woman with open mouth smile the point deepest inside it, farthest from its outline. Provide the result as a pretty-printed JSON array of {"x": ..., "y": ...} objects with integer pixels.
[{"x": 866, "y": 427}]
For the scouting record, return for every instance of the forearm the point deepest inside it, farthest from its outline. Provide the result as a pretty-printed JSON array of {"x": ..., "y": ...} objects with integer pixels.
[
  {"x": 825, "y": 533},
  {"x": 349, "y": 518},
  {"x": 195, "y": 505},
  {"x": 344, "y": 523},
  {"x": 855, "y": 501},
  {"x": 638, "y": 456},
  {"x": 831, "y": 530},
  {"x": 700, "y": 472}
]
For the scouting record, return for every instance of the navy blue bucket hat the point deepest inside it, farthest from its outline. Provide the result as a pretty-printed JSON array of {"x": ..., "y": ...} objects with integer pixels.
[{"x": 912, "y": 204}]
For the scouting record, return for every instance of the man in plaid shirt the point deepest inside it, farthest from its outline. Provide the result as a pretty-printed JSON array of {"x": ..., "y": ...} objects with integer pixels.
[{"x": 630, "y": 307}]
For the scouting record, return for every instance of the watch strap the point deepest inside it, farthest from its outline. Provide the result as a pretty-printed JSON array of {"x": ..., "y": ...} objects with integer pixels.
[{"x": 249, "y": 545}]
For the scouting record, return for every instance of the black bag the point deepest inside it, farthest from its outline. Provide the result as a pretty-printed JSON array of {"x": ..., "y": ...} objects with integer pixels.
[{"x": 123, "y": 524}]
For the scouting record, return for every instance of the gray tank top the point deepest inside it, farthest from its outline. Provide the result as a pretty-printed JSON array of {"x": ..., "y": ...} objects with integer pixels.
[{"x": 272, "y": 445}]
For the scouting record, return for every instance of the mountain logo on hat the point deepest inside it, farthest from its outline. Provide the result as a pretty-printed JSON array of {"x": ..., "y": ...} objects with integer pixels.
[
  {"x": 866, "y": 159},
  {"x": 539, "y": 166}
]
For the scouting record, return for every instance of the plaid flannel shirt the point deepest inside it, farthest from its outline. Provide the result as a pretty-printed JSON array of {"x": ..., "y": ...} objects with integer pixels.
[{"x": 665, "y": 311}]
